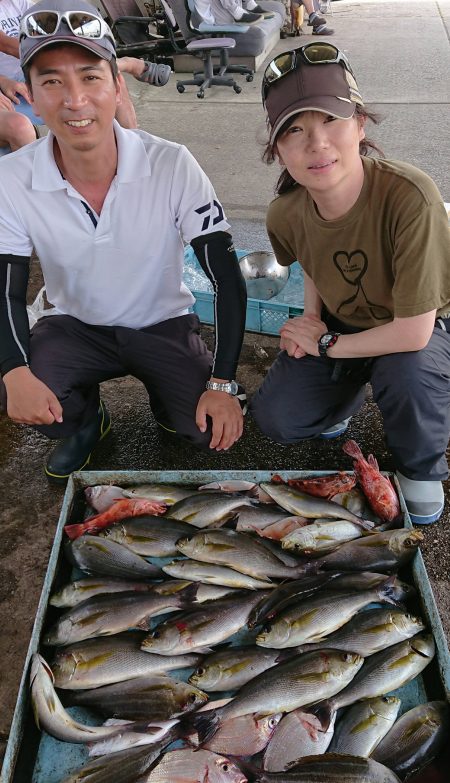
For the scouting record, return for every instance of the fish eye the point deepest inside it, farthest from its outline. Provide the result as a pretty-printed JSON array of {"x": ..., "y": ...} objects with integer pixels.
[
  {"x": 192, "y": 698},
  {"x": 225, "y": 766},
  {"x": 272, "y": 723},
  {"x": 200, "y": 671},
  {"x": 155, "y": 635}
]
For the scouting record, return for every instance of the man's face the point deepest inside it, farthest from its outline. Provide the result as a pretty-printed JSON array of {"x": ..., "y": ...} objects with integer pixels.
[{"x": 74, "y": 92}]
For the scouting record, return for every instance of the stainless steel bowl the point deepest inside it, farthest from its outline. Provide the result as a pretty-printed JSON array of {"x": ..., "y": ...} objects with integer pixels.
[{"x": 264, "y": 276}]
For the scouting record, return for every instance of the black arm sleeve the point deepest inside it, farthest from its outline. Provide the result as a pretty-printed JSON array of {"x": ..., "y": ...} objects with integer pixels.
[
  {"x": 217, "y": 257},
  {"x": 14, "y": 329}
]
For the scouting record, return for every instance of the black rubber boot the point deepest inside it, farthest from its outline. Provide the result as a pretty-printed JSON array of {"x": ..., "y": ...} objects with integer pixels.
[{"x": 74, "y": 453}]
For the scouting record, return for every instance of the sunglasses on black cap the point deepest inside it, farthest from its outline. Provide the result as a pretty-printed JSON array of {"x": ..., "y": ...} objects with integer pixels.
[
  {"x": 82, "y": 24},
  {"x": 311, "y": 53}
]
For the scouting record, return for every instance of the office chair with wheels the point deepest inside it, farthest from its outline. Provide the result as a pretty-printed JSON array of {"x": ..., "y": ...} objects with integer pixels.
[{"x": 136, "y": 35}]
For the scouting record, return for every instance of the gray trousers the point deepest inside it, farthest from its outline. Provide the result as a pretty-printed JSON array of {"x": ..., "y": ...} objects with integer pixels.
[
  {"x": 300, "y": 398},
  {"x": 170, "y": 359}
]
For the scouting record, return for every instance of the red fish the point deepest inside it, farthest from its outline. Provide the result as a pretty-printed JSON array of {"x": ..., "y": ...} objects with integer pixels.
[
  {"x": 121, "y": 509},
  {"x": 378, "y": 490},
  {"x": 324, "y": 486}
]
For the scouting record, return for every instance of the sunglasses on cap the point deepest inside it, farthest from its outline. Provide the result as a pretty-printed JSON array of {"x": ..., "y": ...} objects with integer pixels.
[
  {"x": 82, "y": 24},
  {"x": 321, "y": 53}
]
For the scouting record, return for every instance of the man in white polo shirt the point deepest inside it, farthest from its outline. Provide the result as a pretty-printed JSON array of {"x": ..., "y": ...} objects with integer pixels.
[{"x": 107, "y": 210}]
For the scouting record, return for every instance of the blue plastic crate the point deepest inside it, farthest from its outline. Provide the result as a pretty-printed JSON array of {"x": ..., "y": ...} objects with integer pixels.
[{"x": 265, "y": 317}]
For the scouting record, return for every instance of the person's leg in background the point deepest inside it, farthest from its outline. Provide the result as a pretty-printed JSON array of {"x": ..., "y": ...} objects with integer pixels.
[
  {"x": 316, "y": 20},
  {"x": 412, "y": 391},
  {"x": 15, "y": 129}
]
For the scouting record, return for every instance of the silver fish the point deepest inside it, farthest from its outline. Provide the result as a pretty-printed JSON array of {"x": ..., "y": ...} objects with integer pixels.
[
  {"x": 243, "y": 736},
  {"x": 256, "y": 519},
  {"x": 102, "y": 496},
  {"x": 315, "y": 618},
  {"x": 105, "y": 615},
  {"x": 299, "y": 734},
  {"x": 161, "y": 732},
  {"x": 100, "y": 556},
  {"x": 332, "y": 768},
  {"x": 365, "y": 580},
  {"x": 208, "y": 508},
  {"x": 161, "y": 493},
  {"x": 230, "y": 669},
  {"x": 197, "y": 631},
  {"x": 415, "y": 739},
  {"x": 322, "y": 536},
  {"x": 308, "y": 506},
  {"x": 300, "y": 681},
  {"x": 286, "y": 594},
  {"x": 50, "y": 714},
  {"x": 102, "y": 661},
  {"x": 372, "y": 632},
  {"x": 204, "y": 592},
  {"x": 387, "y": 551},
  {"x": 364, "y": 725},
  {"x": 154, "y": 698},
  {"x": 213, "y": 574},
  {"x": 190, "y": 766},
  {"x": 74, "y": 593},
  {"x": 150, "y": 536},
  {"x": 381, "y": 673},
  {"x": 120, "y": 767},
  {"x": 239, "y": 551}
]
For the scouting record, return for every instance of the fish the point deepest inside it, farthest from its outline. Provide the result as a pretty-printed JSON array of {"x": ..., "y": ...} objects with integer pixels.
[
  {"x": 120, "y": 767},
  {"x": 278, "y": 530},
  {"x": 204, "y": 592},
  {"x": 299, "y": 734},
  {"x": 100, "y": 556},
  {"x": 80, "y": 590},
  {"x": 297, "y": 682},
  {"x": 191, "y": 766},
  {"x": 105, "y": 660},
  {"x": 50, "y": 714},
  {"x": 149, "y": 536},
  {"x": 256, "y": 519},
  {"x": 104, "y": 615},
  {"x": 102, "y": 496},
  {"x": 285, "y": 594},
  {"x": 209, "y": 508},
  {"x": 157, "y": 697},
  {"x": 315, "y": 618},
  {"x": 321, "y": 536},
  {"x": 371, "y": 631},
  {"x": 242, "y": 736},
  {"x": 232, "y": 668},
  {"x": 311, "y": 507},
  {"x": 381, "y": 673},
  {"x": 377, "y": 488},
  {"x": 197, "y": 631},
  {"x": 213, "y": 574},
  {"x": 324, "y": 486},
  {"x": 364, "y": 580},
  {"x": 239, "y": 551},
  {"x": 120, "y": 509},
  {"x": 160, "y": 733},
  {"x": 387, "y": 551},
  {"x": 354, "y": 500},
  {"x": 415, "y": 739},
  {"x": 167, "y": 494},
  {"x": 364, "y": 725},
  {"x": 331, "y": 768}
]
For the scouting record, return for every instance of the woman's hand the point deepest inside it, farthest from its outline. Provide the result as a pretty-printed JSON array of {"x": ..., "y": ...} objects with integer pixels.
[
  {"x": 5, "y": 103},
  {"x": 300, "y": 336},
  {"x": 12, "y": 89}
]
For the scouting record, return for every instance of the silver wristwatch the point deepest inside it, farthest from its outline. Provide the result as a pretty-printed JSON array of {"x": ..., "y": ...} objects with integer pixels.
[{"x": 230, "y": 387}]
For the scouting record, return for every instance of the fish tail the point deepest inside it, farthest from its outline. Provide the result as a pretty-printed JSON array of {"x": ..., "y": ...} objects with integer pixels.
[
  {"x": 351, "y": 448},
  {"x": 206, "y": 726},
  {"x": 75, "y": 531},
  {"x": 372, "y": 462},
  {"x": 323, "y": 712},
  {"x": 310, "y": 567},
  {"x": 188, "y": 595},
  {"x": 386, "y": 591}
]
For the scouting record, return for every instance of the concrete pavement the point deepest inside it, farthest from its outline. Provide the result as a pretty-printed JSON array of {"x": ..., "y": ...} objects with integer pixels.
[{"x": 400, "y": 52}]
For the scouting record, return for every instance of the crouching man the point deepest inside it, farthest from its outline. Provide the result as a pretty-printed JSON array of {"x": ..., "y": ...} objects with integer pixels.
[{"x": 107, "y": 210}]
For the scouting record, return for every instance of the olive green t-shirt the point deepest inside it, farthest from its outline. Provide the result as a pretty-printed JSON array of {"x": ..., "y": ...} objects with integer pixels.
[{"x": 388, "y": 256}]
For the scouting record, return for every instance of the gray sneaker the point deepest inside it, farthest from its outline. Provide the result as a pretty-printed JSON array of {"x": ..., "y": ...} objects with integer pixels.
[
  {"x": 424, "y": 499},
  {"x": 335, "y": 430}
]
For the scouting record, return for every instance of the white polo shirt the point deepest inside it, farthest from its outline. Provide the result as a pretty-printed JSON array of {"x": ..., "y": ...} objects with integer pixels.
[
  {"x": 127, "y": 269},
  {"x": 10, "y": 13}
]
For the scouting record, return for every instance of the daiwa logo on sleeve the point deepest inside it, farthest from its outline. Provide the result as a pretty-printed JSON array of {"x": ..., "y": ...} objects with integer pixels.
[{"x": 209, "y": 211}]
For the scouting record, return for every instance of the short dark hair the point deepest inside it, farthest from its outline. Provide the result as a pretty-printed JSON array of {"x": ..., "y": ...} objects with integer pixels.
[
  {"x": 26, "y": 68},
  {"x": 285, "y": 181}
]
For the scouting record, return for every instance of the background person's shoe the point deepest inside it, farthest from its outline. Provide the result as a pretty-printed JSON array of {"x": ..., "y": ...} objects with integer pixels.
[
  {"x": 74, "y": 453},
  {"x": 335, "y": 430},
  {"x": 322, "y": 29},
  {"x": 314, "y": 20},
  {"x": 249, "y": 18},
  {"x": 424, "y": 499},
  {"x": 258, "y": 10}
]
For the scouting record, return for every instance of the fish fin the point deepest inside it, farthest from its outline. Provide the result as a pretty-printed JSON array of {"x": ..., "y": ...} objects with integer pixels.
[
  {"x": 188, "y": 595},
  {"x": 372, "y": 462},
  {"x": 206, "y": 725},
  {"x": 366, "y": 524},
  {"x": 75, "y": 531},
  {"x": 385, "y": 591},
  {"x": 305, "y": 568},
  {"x": 323, "y": 711},
  {"x": 351, "y": 448}
]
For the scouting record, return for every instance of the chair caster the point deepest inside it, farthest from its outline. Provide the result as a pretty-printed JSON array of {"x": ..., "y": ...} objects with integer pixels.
[
  {"x": 180, "y": 87},
  {"x": 200, "y": 94},
  {"x": 237, "y": 89},
  {"x": 249, "y": 77}
]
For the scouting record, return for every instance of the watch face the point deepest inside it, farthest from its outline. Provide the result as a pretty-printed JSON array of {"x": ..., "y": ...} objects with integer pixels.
[
  {"x": 234, "y": 387},
  {"x": 325, "y": 339}
]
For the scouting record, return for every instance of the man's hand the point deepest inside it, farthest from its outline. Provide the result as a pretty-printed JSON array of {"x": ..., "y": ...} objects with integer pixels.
[
  {"x": 226, "y": 415},
  {"x": 5, "y": 103},
  {"x": 299, "y": 336},
  {"x": 29, "y": 400},
  {"x": 12, "y": 89}
]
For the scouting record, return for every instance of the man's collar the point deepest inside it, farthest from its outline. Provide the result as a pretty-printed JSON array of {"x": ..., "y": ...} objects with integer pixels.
[{"x": 132, "y": 161}]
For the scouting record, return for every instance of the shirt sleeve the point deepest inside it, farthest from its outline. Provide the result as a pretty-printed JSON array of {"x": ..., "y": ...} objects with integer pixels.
[
  {"x": 14, "y": 238},
  {"x": 276, "y": 231},
  {"x": 197, "y": 210},
  {"x": 421, "y": 262}
]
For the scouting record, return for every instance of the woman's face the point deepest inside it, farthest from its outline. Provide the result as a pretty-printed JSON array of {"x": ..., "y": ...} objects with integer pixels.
[{"x": 322, "y": 152}]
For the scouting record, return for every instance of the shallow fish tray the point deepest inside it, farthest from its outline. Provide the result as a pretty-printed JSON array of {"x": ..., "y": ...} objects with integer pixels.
[{"x": 32, "y": 757}]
